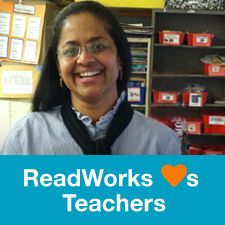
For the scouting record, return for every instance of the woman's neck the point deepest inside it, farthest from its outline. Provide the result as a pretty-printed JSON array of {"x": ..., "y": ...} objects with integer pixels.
[{"x": 92, "y": 107}]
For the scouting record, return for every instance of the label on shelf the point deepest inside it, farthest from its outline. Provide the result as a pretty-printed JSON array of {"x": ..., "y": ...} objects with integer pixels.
[
  {"x": 195, "y": 99},
  {"x": 191, "y": 128},
  {"x": 215, "y": 69},
  {"x": 202, "y": 39},
  {"x": 171, "y": 38},
  {"x": 168, "y": 97},
  {"x": 217, "y": 120},
  {"x": 194, "y": 127}
]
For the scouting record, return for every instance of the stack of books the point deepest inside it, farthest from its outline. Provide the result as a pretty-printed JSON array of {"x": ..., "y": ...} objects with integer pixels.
[{"x": 137, "y": 29}]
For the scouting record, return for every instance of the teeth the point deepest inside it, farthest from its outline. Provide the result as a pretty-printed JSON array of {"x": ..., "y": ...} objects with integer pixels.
[{"x": 88, "y": 74}]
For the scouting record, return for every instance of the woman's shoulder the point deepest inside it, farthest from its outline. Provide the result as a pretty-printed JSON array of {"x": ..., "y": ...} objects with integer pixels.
[
  {"x": 33, "y": 132},
  {"x": 157, "y": 136},
  {"x": 149, "y": 123}
]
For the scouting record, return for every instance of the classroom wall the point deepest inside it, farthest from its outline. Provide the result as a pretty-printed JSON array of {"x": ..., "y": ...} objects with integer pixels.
[{"x": 10, "y": 111}]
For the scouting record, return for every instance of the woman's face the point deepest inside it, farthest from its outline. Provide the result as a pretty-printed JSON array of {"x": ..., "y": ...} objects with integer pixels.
[{"x": 87, "y": 59}]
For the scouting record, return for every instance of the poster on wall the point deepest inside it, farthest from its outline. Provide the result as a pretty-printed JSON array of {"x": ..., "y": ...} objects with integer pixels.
[{"x": 20, "y": 26}]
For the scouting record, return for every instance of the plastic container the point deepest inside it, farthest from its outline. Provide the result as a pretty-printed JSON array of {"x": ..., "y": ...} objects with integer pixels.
[
  {"x": 171, "y": 37},
  {"x": 200, "y": 39},
  {"x": 166, "y": 97},
  {"x": 214, "y": 69},
  {"x": 193, "y": 99},
  {"x": 214, "y": 124},
  {"x": 207, "y": 150}
]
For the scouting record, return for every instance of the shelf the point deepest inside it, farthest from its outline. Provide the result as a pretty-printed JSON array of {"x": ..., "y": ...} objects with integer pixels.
[
  {"x": 155, "y": 75},
  {"x": 176, "y": 67},
  {"x": 207, "y": 139},
  {"x": 166, "y": 105},
  {"x": 180, "y": 105},
  {"x": 215, "y": 105},
  {"x": 206, "y": 135},
  {"x": 138, "y": 106},
  {"x": 140, "y": 72},
  {"x": 188, "y": 46}
]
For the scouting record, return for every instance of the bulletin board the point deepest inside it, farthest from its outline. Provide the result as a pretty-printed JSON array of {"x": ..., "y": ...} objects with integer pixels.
[{"x": 21, "y": 28}]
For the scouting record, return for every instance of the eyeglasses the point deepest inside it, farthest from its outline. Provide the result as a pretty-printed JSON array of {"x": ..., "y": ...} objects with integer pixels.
[{"x": 72, "y": 51}]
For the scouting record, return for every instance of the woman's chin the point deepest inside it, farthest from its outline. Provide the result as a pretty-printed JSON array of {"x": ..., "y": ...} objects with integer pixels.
[{"x": 91, "y": 95}]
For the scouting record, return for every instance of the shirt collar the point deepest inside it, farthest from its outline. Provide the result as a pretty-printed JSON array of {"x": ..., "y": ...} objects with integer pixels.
[{"x": 99, "y": 129}]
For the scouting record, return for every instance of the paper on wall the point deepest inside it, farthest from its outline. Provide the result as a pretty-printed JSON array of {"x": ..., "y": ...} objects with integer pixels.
[
  {"x": 16, "y": 49},
  {"x": 33, "y": 28},
  {"x": 18, "y": 109},
  {"x": 17, "y": 82},
  {"x": 3, "y": 47},
  {"x": 5, "y": 23},
  {"x": 30, "y": 51},
  {"x": 19, "y": 26}
]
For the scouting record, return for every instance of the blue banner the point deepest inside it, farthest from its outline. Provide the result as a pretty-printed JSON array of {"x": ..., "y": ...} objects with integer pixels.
[{"x": 122, "y": 190}]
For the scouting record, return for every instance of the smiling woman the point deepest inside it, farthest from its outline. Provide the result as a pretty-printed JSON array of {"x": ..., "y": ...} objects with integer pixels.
[
  {"x": 88, "y": 64},
  {"x": 80, "y": 104}
]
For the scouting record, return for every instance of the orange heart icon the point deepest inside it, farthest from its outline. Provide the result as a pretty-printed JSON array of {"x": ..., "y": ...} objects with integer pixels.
[{"x": 174, "y": 175}]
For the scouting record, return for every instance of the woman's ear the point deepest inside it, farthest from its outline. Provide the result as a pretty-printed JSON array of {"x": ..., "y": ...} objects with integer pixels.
[
  {"x": 60, "y": 76},
  {"x": 58, "y": 67},
  {"x": 119, "y": 63},
  {"x": 120, "y": 77},
  {"x": 121, "y": 74}
]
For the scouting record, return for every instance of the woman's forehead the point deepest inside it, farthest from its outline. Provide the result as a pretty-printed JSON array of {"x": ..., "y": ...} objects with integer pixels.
[
  {"x": 85, "y": 18},
  {"x": 85, "y": 27}
]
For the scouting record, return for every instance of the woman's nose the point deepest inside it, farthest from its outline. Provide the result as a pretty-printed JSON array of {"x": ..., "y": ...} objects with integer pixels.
[{"x": 85, "y": 57}]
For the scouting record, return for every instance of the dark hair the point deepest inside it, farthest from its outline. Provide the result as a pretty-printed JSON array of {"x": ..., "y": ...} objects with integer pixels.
[{"x": 48, "y": 92}]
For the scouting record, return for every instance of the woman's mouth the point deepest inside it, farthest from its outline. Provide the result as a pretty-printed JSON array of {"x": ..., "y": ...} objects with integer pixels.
[{"x": 88, "y": 74}]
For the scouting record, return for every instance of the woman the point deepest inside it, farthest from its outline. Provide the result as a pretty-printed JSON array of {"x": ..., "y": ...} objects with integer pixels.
[{"x": 80, "y": 104}]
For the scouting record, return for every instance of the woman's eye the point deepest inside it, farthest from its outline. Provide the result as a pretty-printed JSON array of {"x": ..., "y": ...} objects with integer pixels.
[
  {"x": 99, "y": 47},
  {"x": 70, "y": 52}
]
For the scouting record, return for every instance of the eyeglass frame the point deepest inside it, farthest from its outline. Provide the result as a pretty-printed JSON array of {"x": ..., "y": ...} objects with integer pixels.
[{"x": 89, "y": 47}]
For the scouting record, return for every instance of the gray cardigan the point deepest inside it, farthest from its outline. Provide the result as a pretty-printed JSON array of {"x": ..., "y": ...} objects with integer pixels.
[{"x": 44, "y": 133}]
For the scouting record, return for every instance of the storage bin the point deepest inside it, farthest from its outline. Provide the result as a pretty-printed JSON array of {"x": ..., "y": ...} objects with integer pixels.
[
  {"x": 214, "y": 124},
  {"x": 193, "y": 99},
  {"x": 214, "y": 69},
  {"x": 171, "y": 37},
  {"x": 212, "y": 152},
  {"x": 200, "y": 39},
  {"x": 207, "y": 150},
  {"x": 167, "y": 97}
]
